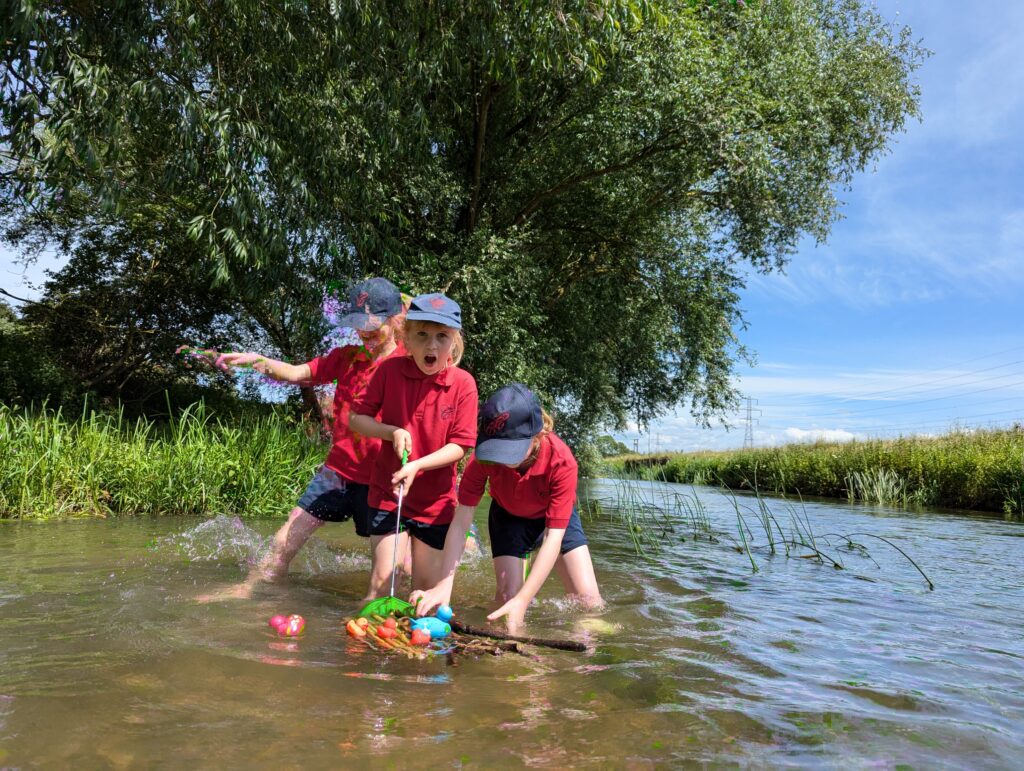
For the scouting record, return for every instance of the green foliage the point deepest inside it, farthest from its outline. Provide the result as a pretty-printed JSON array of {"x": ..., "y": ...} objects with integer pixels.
[
  {"x": 29, "y": 371},
  {"x": 608, "y": 446},
  {"x": 586, "y": 178},
  {"x": 979, "y": 470},
  {"x": 105, "y": 464}
]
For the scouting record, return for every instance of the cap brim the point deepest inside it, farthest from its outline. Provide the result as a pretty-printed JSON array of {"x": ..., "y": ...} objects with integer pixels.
[
  {"x": 505, "y": 451},
  {"x": 437, "y": 318},
  {"x": 363, "y": 322}
]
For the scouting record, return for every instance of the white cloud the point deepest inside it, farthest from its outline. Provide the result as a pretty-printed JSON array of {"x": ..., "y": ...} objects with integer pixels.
[{"x": 819, "y": 435}]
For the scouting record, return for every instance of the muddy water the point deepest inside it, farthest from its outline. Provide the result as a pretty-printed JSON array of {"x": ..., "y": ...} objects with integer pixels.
[{"x": 106, "y": 660}]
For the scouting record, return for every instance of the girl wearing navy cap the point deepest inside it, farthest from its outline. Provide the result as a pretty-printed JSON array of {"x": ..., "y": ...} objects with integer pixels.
[
  {"x": 427, "y": 408},
  {"x": 339, "y": 490},
  {"x": 532, "y": 478}
]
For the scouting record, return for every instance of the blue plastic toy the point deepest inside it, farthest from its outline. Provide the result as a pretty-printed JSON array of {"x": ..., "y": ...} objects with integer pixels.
[
  {"x": 445, "y": 613},
  {"x": 438, "y": 629}
]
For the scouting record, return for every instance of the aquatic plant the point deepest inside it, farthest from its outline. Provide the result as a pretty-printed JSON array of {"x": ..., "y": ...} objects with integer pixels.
[{"x": 650, "y": 513}]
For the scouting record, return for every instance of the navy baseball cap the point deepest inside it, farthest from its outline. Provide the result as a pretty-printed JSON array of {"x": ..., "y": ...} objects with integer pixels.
[
  {"x": 371, "y": 303},
  {"x": 508, "y": 422},
  {"x": 437, "y": 308}
]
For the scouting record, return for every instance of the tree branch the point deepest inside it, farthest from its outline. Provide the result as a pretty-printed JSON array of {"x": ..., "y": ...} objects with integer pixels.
[{"x": 577, "y": 179}]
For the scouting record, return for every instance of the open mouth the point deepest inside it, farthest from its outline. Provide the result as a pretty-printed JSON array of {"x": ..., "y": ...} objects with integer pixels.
[{"x": 430, "y": 360}]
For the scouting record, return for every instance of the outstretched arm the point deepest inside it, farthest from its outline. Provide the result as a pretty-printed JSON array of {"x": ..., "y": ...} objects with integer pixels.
[
  {"x": 278, "y": 370},
  {"x": 547, "y": 555}
]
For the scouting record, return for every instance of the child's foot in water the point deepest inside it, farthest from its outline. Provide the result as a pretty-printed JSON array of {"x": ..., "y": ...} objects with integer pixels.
[{"x": 241, "y": 591}]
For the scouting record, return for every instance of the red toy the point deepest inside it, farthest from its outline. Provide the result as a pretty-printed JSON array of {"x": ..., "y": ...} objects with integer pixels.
[
  {"x": 293, "y": 627},
  {"x": 419, "y": 637}
]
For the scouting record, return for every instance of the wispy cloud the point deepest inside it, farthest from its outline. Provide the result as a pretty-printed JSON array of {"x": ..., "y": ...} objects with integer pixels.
[{"x": 943, "y": 215}]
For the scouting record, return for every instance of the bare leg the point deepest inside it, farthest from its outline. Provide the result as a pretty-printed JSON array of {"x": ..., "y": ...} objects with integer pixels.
[
  {"x": 508, "y": 579},
  {"x": 382, "y": 549},
  {"x": 287, "y": 541},
  {"x": 576, "y": 570},
  {"x": 427, "y": 565}
]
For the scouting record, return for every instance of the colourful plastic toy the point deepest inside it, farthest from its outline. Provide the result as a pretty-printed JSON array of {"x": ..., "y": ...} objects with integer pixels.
[
  {"x": 445, "y": 613},
  {"x": 294, "y": 627},
  {"x": 438, "y": 629},
  {"x": 276, "y": 622},
  {"x": 419, "y": 637}
]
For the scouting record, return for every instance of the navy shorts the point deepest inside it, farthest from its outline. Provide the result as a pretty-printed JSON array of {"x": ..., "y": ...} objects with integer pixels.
[
  {"x": 383, "y": 522},
  {"x": 332, "y": 498},
  {"x": 513, "y": 536}
]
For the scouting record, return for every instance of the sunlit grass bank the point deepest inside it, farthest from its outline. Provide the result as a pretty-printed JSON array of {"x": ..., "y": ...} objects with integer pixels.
[
  {"x": 980, "y": 470},
  {"x": 103, "y": 464}
]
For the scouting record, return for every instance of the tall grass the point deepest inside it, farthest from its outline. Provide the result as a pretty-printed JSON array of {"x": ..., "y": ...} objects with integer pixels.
[
  {"x": 104, "y": 464},
  {"x": 980, "y": 470}
]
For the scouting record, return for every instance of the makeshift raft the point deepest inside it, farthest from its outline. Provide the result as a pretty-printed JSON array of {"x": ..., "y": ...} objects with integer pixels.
[
  {"x": 462, "y": 640},
  {"x": 401, "y": 643}
]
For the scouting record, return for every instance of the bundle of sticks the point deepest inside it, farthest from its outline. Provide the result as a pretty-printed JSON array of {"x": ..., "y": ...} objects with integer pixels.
[{"x": 396, "y": 635}]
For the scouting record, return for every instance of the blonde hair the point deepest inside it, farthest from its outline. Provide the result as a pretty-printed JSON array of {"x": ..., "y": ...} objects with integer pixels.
[
  {"x": 548, "y": 421},
  {"x": 410, "y": 326},
  {"x": 547, "y": 426}
]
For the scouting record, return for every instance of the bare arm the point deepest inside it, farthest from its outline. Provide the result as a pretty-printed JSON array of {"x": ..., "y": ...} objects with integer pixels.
[
  {"x": 454, "y": 545},
  {"x": 278, "y": 370},
  {"x": 545, "y": 560},
  {"x": 446, "y": 456}
]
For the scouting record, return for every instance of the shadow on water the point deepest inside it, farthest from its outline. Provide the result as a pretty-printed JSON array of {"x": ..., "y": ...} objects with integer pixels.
[{"x": 107, "y": 659}]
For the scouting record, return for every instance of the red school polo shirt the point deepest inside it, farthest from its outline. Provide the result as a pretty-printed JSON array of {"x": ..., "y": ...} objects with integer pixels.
[
  {"x": 436, "y": 410},
  {"x": 547, "y": 489},
  {"x": 351, "y": 454}
]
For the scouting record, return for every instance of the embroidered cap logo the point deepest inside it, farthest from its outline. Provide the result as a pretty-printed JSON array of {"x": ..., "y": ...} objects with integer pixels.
[
  {"x": 361, "y": 299},
  {"x": 437, "y": 302},
  {"x": 496, "y": 424}
]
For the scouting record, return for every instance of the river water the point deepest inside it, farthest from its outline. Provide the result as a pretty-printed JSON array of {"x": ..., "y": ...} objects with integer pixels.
[{"x": 107, "y": 660}]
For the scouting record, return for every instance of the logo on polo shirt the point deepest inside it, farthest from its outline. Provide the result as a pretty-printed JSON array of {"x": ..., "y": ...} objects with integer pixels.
[
  {"x": 447, "y": 412},
  {"x": 496, "y": 424}
]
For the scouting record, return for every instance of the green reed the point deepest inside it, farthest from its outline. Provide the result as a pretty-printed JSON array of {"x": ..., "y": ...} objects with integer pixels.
[
  {"x": 979, "y": 470},
  {"x": 103, "y": 464},
  {"x": 653, "y": 514}
]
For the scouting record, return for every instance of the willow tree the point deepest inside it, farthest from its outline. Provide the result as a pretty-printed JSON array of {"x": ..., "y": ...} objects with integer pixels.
[{"x": 589, "y": 179}]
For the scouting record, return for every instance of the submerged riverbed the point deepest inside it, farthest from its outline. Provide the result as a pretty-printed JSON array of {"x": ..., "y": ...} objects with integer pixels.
[{"x": 106, "y": 660}]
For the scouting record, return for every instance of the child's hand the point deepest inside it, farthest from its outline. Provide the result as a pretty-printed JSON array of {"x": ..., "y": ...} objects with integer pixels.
[
  {"x": 515, "y": 610},
  {"x": 401, "y": 440},
  {"x": 227, "y": 361},
  {"x": 426, "y": 601},
  {"x": 206, "y": 355},
  {"x": 405, "y": 475}
]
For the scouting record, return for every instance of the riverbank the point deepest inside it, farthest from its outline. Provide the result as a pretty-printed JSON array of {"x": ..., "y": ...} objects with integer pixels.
[
  {"x": 100, "y": 465},
  {"x": 979, "y": 470}
]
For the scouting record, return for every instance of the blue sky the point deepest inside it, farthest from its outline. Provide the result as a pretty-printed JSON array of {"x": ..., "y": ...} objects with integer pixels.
[{"x": 908, "y": 320}]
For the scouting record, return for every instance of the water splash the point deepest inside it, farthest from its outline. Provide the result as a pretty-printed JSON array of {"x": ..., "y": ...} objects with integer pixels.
[{"x": 225, "y": 538}]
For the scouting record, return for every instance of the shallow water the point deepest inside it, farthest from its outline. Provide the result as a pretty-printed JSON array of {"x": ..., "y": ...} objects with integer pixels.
[{"x": 107, "y": 661}]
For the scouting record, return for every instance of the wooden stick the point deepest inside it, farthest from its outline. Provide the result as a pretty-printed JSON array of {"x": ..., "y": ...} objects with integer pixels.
[{"x": 562, "y": 645}]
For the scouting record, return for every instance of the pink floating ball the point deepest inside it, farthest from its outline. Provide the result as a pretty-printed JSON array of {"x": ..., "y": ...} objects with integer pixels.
[
  {"x": 277, "y": 622},
  {"x": 294, "y": 627}
]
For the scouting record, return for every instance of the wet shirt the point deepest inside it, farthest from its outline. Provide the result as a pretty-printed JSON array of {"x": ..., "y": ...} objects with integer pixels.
[
  {"x": 351, "y": 454},
  {"x": 436, "y": 410},
  {"x": 546, "y": 490}
]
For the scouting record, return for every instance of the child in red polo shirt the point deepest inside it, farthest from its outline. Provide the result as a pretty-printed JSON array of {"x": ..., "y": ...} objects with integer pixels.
[
  {"x": 339, "y": 490},
  {"x": 532, "y": 475},
  {"x": 428, "y": 408}
]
